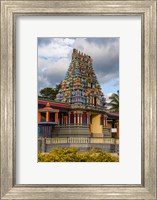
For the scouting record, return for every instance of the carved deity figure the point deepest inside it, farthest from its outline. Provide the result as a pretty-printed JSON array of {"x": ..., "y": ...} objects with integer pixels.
[{"x": 77, "y": 81}]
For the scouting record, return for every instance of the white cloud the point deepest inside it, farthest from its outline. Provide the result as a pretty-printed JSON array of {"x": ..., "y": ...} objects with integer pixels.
[
  {"x": 105, "y": 57},
  {"x": 69, "y": 41},
  {"x": 107, "y": 97},
  {"x": 54, "y": 56},
  {"x": 51, "y": 71},
  {"x": 58, "y": 47}
]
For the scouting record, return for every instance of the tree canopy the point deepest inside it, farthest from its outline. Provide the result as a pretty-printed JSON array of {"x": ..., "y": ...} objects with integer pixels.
[
  {"x": 50, "y": 93},
  {"x": 114, "y": 103}
]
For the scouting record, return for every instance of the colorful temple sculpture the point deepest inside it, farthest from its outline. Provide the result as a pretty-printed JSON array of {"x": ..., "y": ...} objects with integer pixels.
[{"x": 78, "y": 116}]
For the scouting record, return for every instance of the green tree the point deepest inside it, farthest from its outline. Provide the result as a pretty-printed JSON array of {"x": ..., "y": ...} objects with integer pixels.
[
  {"x": 114, "y": 103},
  {"x": 50, "y": 93},
  {"x": 57, "y": 88}
]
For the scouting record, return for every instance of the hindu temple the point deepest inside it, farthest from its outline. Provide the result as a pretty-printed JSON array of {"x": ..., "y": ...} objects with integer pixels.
[{"x": 78, "y": 116}]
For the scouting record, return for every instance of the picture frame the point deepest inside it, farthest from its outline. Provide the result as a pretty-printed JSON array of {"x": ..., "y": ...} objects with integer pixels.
[{"x": 9, "y": 11}]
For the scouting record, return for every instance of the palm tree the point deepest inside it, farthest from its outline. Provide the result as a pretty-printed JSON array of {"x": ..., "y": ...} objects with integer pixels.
[{"x": 114, "y": 103}]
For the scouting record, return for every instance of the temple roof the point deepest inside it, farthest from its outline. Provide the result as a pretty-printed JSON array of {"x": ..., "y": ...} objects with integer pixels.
[
  {"x": 113, "y": 115},
  {"x": 67, "y": 107},
  {"x": 47, "y": 123},
  {"x": 54, "y": 104},
  {"x": 80, "y": 86},
  {"x": 48, "y": 108}
]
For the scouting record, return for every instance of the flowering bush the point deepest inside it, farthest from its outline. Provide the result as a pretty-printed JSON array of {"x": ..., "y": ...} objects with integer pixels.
[{"x": 73, "y": 154}]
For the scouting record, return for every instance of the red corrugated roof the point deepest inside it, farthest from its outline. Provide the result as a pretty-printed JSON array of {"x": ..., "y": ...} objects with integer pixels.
[
  {"x": 113, "y": 114},
  {"x": 55, "y": 104}
]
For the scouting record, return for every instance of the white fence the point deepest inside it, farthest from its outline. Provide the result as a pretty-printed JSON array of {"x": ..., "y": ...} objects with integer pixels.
[{"x": 82, "y": 140}]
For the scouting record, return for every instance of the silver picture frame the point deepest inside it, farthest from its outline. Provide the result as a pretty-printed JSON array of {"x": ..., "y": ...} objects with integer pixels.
[{"x": 9, "y": 12}]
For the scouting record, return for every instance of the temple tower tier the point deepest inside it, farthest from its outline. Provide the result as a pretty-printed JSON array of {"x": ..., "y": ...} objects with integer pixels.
[{"x": 80, "y": 86}]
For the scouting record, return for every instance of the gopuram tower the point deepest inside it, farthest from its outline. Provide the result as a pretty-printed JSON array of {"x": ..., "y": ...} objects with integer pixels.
[
  {"x": 81, "y": 90},
  {"x": 80, "y": 87}
]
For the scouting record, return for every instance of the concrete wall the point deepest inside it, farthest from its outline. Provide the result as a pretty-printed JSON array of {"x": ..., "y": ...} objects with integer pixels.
[
  {"x": 110, "y": 148},
  {"x": 118, "y": 131},
  {"x": 43, "y": 147},
  {"x": 96, "y": 128},
  {"x": 71, "y": 131},
  {"x": 107, "y": 132}
]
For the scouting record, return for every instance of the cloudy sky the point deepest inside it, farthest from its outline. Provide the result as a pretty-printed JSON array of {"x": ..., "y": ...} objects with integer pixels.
[{"x": 54, "y": 57}]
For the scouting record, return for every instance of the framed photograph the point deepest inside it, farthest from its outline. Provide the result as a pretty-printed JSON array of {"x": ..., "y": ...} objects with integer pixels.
[
  {"x": 63, "y": 65},
  {"x": 76, "y": 123}
]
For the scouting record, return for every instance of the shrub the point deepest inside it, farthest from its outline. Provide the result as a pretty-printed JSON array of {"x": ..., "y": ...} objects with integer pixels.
[{"x": 73, "y": 154}]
